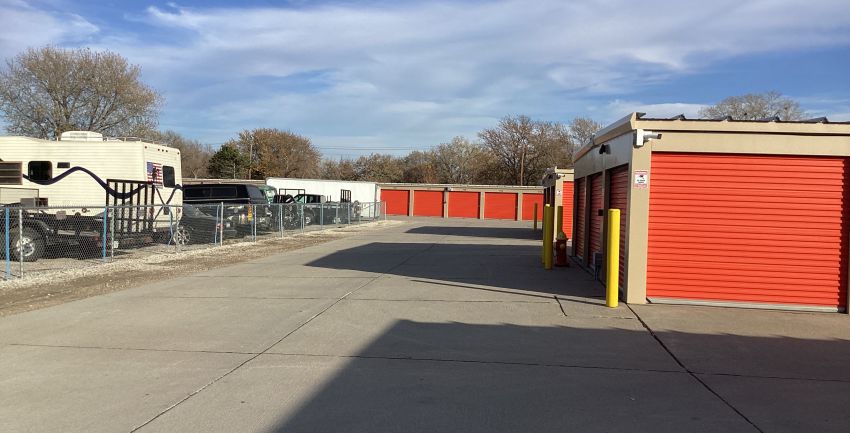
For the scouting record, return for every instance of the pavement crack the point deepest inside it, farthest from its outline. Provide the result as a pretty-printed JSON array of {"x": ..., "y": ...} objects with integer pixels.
[
  {"x": 479, "y": 361},
  {"x": 132, "y": 349},
  {"x": 694, "y": 375},
  {"x": 561, "y": 306}
]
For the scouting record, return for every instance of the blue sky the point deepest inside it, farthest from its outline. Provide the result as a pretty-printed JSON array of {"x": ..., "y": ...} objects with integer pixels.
[{"x": 393, "y": 76}]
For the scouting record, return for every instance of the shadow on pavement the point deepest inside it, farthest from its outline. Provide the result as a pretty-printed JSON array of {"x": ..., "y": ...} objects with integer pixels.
[
  {"x": 508, "y": 266},
  {"x": 429, "y": 377},
  {"x": 479, "y": 232}
]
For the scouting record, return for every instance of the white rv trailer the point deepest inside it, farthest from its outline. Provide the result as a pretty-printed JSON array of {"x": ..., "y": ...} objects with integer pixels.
[
  {"x": 75, "y": 171},
  {"x": 362, "y": 192},
  {"x": 64, "y": 186}
]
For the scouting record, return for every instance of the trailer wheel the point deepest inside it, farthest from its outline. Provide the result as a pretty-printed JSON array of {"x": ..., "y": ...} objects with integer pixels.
[{"x": 28, "y": 244}]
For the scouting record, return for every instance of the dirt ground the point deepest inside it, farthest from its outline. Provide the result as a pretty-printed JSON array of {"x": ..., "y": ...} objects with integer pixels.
[{"x": 52, "y": 288}]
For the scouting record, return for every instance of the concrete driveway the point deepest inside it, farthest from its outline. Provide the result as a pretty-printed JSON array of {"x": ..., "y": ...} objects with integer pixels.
[{"x": 429, "y": 326}]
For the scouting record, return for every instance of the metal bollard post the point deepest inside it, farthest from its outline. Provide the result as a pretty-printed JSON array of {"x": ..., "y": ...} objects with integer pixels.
[
  {"x": 548, "y": 226},
  {"x": 103, "y": 236},
  {"x": 301, "y": 213},
  {"x": 543, "y": 226},
  {"x": 321, "y": 216},
  {"x": 7, "y": 241},
  {"x": 612, "y": 267},
  {"x": 559, "y": 220},
  {"x": 535, "y": 216}
]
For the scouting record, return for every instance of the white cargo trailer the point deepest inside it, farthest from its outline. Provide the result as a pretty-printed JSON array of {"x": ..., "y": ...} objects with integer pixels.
[{"x": 364, "y": 193}]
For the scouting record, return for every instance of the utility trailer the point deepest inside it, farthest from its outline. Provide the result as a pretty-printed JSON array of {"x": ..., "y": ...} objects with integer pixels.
[{"x": 62, "y": 191}]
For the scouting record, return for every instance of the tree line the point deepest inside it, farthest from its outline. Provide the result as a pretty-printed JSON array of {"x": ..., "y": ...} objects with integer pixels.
[{"x": 49, "y": 90}]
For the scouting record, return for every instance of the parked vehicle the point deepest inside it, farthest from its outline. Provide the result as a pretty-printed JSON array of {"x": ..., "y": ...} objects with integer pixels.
[
  {"x": 197, "y": 226},
  {"x": 237, "y": 200},
  {"x": 64, "y": 185}
]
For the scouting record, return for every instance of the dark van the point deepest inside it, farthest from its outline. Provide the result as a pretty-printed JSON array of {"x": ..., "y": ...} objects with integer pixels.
[{"x": 235, "y": 197}]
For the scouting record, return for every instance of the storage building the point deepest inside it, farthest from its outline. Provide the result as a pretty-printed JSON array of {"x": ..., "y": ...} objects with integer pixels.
[{"x": 720, "y": 212}]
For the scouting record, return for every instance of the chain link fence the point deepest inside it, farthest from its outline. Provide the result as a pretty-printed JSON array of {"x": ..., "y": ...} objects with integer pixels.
[{"x": 41, "y": 239}]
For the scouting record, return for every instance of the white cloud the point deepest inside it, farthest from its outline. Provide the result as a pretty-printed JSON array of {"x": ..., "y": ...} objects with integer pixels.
[
  {"x": 22, "y": 26},
  {"x": 412, "y": 73}
]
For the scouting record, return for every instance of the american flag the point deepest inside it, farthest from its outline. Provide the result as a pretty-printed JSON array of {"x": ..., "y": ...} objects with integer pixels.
[{"x": 155, "y": 173}]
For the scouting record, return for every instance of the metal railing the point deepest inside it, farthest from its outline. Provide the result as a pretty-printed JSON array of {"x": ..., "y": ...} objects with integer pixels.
[{"x": 41, "y": 239}]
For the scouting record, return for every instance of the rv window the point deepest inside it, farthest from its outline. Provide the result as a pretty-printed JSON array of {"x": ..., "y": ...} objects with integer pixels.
[
  {"x": 168, "y": 179},
  {"x": 10, "y": 173},
  {"x": 63, "y": 165},
  {"x": 40, "y": 170}
]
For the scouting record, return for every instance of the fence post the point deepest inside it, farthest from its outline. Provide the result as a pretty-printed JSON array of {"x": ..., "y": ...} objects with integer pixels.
[
  {"x": 280, "y": 218},
  {"x": 253, "y": 223},
  {"x": 21, "y": 239},
  {"x": 103, "y": 234},
  {"x": 6, "y": 237},
  {"x": 112, "y": 236},
  {"x": 321, "y": 216},
  {"x": 221, "y": 226}
]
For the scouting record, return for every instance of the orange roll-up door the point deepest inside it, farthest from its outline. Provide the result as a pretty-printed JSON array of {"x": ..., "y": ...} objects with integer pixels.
[
  {"x": 428, "y": 203},
  {"x": 397, "y": 201},
  {"x": 749, "y": 228},
  {"x": 463, "y": 204},
  {"x": 500, "y": 205},
  {"x": 528, "y": 201},
  {"x": 581, "y": 223},
  {"x": 596, "y": 203},
  {"x": 618, "y": 198},
  {"x": 567, "y": 198}
]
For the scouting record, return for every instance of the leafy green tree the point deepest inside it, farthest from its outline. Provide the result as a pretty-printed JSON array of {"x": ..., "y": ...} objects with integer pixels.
[{"x": 228, "y": 163}]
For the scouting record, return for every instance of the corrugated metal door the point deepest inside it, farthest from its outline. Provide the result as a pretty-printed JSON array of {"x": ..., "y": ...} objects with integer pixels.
[
  {"x": 463, "y": 204},
  {"x": 596, "y": 203},
  {"x": 500, "y": 205},
  {"x": 567, "y": 202},
  {"x": 528, "y": 201},
  {"x": 749, "y": 228},
  {"x": 397, "y": 201},
  {"x": 618, "y": 198},
  {"x": 581, "y": 223},
  {"x": 428, "y": 203}
]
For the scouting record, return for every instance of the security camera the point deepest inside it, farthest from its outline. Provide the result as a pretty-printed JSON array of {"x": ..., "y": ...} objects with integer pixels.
[{"x": 647, "y": 135}]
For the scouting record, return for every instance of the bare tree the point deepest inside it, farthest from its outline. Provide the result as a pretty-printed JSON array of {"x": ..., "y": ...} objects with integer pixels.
[
  {"x": 46, "y": 91},
  {"x": 379, "y": 168},
  {"x": 582, "y": 130},
  {"x": 459, "y": 161},
  {"x": 338, "y": 170},
  {"x": 276, "y": 153},
  {"x": 419, "y": 167},
  {"x": 754, "y": 106},
  {"x": 525, "y": 147},
  {"x": 194, "y": 155}
]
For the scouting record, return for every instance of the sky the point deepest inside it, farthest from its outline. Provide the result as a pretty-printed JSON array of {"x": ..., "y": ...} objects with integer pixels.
[{"x": 358, "y": 77}]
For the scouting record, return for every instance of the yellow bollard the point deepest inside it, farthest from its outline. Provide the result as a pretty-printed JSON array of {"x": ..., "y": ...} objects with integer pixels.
[
  {"x": 548, "y": 236},
  {"x": 612, "y": 267},
  {"x": 535, "y": 216},
  {"x": 543, "y": 225},
  {"x": 559, "y": 220}
]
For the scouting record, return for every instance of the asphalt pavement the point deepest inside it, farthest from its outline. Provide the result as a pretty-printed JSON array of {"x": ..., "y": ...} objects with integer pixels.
[{"x": 432, "y": 325}]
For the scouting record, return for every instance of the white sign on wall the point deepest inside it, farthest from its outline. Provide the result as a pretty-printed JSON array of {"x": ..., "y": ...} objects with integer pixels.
[{"x": 641, "y": 179}]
